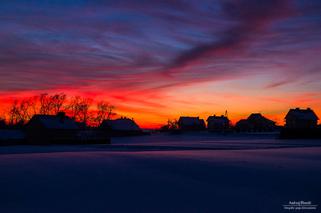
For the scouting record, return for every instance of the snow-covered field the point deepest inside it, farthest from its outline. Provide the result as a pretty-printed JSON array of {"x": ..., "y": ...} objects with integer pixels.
[{"x": 163, "y": 173}]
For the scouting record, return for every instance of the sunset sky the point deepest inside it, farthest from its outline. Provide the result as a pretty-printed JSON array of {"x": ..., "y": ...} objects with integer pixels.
[{"x": 159, "y": 59}]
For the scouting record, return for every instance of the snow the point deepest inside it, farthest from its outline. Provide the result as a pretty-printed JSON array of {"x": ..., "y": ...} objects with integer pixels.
[{"x": 162, "y": 173}]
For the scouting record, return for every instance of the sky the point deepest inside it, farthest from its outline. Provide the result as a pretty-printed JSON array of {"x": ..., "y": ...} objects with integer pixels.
[{"x": 159, "y": 59}]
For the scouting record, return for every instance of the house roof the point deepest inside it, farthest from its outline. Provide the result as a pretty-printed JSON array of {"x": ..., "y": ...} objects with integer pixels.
[
  {"x": 255, "y": 116},
  {"x": 259, "y": 117},
  {"x": 242, "y": 122},
  {"x": 221, "y": 118},
  {"x": 121, "y": 124},
  {"x": 302, "y": 114},
  {"x": 190, "y": 120},
  {"x": 54, "y": 122}
]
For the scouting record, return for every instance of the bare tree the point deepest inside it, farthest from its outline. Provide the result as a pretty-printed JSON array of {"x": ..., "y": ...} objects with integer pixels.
[
  {"x": 79, "y": 108},
  {"x": 45, "y": 107},
  {"x": 56, "y": 102},
  {"x": 33, "y": 105},
  {"x": 104, "y": 111},
  {"x": 84, "y": 106},
  {"x": 172, "y": 124},
  {"x": 24, "y": 110},
  {"x": 14, "y": 114},
  {"x": 72, "y": 106},
  {"x": 21, "y": 112},
  {"x": 51, "y": 104},
  {"x": 110, "y": 111}
]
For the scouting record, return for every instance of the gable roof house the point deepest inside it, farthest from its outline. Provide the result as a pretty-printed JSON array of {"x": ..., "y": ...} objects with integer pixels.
[
  {"x": 122, "y": 126},
  {"x": 51, "y": 129},
  {"x": 261, "y": 123},
  {"x": 256, "y": 122},
  {"x": 191, "y": 123},
  {"x": 59, "y": 121},
  {"x": 243, "y": 125},
  {"x": 218, "y": 123},
  {"x": 301, "y": 118}
]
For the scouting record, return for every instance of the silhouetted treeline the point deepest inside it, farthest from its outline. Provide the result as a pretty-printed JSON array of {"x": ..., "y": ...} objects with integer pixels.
[{"x": 81, "y": 109}]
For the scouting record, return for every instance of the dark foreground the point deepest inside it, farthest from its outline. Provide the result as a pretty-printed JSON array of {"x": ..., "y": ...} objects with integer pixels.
[{"x": 247, "y": 174}]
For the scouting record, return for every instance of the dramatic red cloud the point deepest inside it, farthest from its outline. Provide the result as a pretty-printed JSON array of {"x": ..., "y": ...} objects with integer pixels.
[{"x": 163, "y": 59}]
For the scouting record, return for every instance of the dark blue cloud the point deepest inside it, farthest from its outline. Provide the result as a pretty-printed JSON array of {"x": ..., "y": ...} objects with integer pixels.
[{"x": 154, "y": 44}]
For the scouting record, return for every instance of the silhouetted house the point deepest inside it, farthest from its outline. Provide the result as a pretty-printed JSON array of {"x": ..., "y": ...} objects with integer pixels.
[
  {"x": 58, "y": 128},
  {"x": 3, "y": 124},
  {"x": 218, "y": 123},
  {"x": 81, "y": 125},
  {"x": 261, "y": 123},
  {"x": 121, "y": 126},
  {"x": 244, "y": 125},
  {"x": 301, "y": 119},
  {"x": 191, "y": 123},
  {"x": 256, "y": 123}
]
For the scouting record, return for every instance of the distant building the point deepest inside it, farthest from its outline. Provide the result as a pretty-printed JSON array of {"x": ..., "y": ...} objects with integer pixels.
[
  {"x": 59, "y": 121},
  {"x": 218, "y": 123},
  {"x": 191, "y": 123},
  {"x": 261, "y": 123},
  {"x": 3, "y": 124},
  {"x": 244, "y": 125},
  {"x": 256, "y": 123},
  {"x": 121, "y": 126},
  {"x": 301, "y": 118},
  {"x": 52, "y": 128}
]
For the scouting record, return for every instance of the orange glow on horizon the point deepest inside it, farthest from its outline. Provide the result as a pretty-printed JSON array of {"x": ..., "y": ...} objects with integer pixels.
[{"x": 153, "y": 112}]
